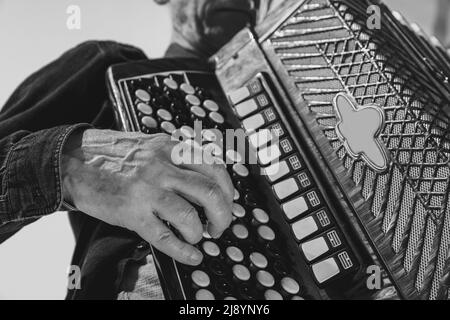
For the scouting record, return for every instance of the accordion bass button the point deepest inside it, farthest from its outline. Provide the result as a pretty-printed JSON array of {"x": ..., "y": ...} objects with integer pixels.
[
  {"x": 266, "y": 233},
  {"x": 217, "y": 118},
  {"x": 238, "y": 210},
  {"x": 164, "y": 115}
]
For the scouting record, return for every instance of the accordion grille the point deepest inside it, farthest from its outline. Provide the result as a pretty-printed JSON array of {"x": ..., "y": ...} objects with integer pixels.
[{"x": 326, "y": 48}]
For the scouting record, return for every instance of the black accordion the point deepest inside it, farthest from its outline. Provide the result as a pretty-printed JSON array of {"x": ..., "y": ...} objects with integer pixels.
[{"x": 349, "y": 124}]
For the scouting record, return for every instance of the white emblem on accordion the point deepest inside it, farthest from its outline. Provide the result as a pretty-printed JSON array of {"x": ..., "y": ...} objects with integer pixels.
[{"x": 359, "y": 129}]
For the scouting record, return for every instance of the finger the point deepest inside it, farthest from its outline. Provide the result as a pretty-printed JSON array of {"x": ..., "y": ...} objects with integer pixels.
[
  {"x": 195, "y": 160},
  {"x": 160, "y": 236},
  {"x": 182, "y": 215},
  {"x": 207, "y": 193}
]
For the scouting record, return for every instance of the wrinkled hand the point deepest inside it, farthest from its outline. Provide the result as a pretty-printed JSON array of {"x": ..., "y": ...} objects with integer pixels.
[{"x": 129, "y": 180}]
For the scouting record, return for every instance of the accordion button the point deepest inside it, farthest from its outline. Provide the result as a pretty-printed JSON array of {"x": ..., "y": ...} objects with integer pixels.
[
  {"x": 149, "y": 122},
  {"x": 200, "y": 278},
  {"x": 142, "y": 95},
  {"x": 269, "y": 155},
  {"x": 304, "y": 228},
  {"x": 193, "y": 100},
  {"x": 204, "y": 294},
  {"x": 239, "y": 95},
  {"x": 187, "y": 132},
  {"x": 233, "y": 156},
  {"x": 170, "y": 83},
  {"x": 210, "y": 135},
  {"x": 261, "y": 138},
  {"x": 285, "y": 188},
  {"x": 266, "y": 233},
  {"x": 315, "y": 248},
  {"x": 211, "y": 105},
  {"x": 145, "y": 109},
  {"x": 168, "y": 127},
  {"x": 265, "y": 278},
  {"x": 245, "y": 108},
  {"x": 295, "y": 207},
  {"x": 276, "y": 171},
  {"x": 217, "y": 118},
  {"x": 241, "y": 272},
  {"x": 187, "y": 88},
  {"x": 164, "y": 115},
  {"x": 272, "y": 295},
  {"x": 290, "y": 285},
  {"x": 241, "y": 170},
  {"x": 260, "y": 216},
  {"x": 211, "y": 249},
  {"x": 253, "y": 123},
  {"x": 236, "y": 195},
  {"x": 325, "y": 270},
  {"x": 238, "y": 210},
  {"x": 258, "y": 260},
  {"x": 235, "y": 254},
  {"x": 240, "y": 231},
  {"x": 198, "y": 112}
]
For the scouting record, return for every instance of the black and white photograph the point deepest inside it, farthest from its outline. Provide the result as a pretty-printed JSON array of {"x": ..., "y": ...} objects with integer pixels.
[{"x": 183, "y": 151}]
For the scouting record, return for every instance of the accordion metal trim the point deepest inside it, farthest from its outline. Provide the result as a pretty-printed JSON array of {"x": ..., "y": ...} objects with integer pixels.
[{"x": 323, "y": 48}]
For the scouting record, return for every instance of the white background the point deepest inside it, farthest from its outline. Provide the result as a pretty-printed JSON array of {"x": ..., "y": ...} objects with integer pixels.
[{"x": 33, "y": 264}]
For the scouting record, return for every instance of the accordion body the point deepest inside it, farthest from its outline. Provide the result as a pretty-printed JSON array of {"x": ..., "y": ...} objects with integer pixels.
[{"x": 368, "y": 111}]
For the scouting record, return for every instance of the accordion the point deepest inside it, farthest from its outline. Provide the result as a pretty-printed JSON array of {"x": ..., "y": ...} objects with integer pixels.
[{"x": 348, "y": 123}]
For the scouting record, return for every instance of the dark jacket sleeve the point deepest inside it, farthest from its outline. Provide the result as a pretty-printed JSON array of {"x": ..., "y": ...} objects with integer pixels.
[{"x": 68, "y": 94}]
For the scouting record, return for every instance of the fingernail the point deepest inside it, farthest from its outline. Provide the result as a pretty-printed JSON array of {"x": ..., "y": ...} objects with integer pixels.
[{"x": 197, "y": 257}]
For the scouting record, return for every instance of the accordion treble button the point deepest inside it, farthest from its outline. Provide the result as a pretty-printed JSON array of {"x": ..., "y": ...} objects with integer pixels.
[
  {"x": 315, "y": 248},
  {"x": 285, "y": 188},
  {"x": 325, "y": 270},
  {"x": 295, "y": 207},
  {"x": 253, "y": 123},
  {"x": 149, "y": 122},
  {"x": 261, "y": 138},
  {"x": 245, "y": 108},
  {"x": 276, "y": 171},
  {"x": 239, "y": 95},
  {"x": 304, "y": 228},
  {"x": 142, "y": 95},
  {"x": 269, "y": 155}
]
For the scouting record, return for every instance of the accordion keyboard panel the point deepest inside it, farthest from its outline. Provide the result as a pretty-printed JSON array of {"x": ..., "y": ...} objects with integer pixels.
[{"x": 291, "y": 252}]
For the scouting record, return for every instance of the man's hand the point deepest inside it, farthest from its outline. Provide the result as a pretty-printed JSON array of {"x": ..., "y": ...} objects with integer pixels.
[{"x": 129, "y": 180}]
